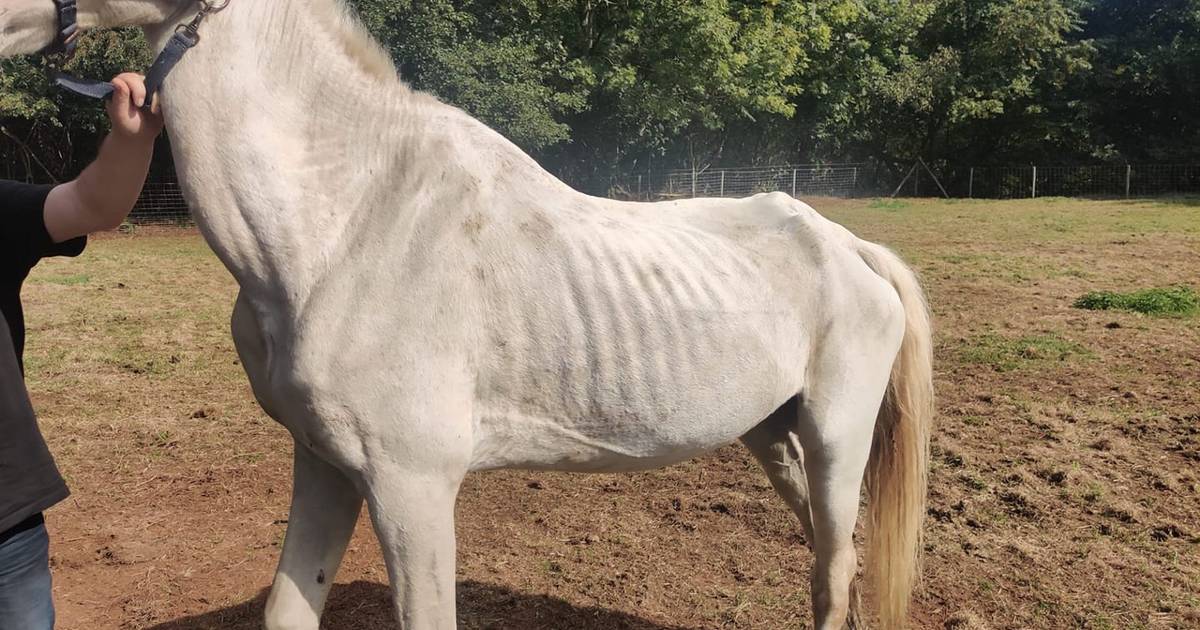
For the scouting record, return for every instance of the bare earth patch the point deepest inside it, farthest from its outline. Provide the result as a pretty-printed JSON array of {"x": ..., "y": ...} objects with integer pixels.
[{"x": 1065, "y": 494}]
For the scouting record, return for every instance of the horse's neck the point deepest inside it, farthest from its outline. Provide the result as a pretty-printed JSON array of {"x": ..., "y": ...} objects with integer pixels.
[{"x": 283, "y": 136}]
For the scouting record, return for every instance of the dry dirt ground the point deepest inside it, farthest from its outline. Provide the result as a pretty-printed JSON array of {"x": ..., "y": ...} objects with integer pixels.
[{"x": 1064, "y": 493}]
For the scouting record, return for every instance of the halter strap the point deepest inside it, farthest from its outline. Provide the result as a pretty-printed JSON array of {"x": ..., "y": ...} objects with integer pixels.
[
  {"x": 68, "y": 28},
  {"x": 182, "y": 41},
  {"x": 185, "y": 38}
]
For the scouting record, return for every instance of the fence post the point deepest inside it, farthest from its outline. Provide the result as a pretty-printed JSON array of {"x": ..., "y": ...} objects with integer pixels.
[
  {"x": 971, "y": 184},
  {"x": 693, "y": 181},
  {"x": 639, "y": 185},
  {"x": 1035, "y": 182},
  {"x": 794, "y": 173},
  {"x": 854, "y": 182},
  {"x": 722, "y": 183},
  {"x": 1128, "y": 178},
  {"x": 649, "y": 174}
]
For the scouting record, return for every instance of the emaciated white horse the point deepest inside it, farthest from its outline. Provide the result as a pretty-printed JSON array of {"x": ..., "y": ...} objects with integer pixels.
[{"x": 419, "y": 300}]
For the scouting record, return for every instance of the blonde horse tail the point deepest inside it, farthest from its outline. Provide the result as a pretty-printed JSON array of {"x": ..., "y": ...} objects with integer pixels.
[{"x": 897, "y": 472}]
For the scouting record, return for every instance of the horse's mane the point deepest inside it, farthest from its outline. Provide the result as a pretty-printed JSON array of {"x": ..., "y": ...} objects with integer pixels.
[{"x": 355, "y": 39}]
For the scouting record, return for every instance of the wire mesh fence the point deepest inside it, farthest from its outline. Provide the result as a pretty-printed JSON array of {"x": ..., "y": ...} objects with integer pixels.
[
  {"x": 1093, "y": 181},
  {"x": 856, "y": 180},
  {"x": 162, "y": 202},
  {"x": 833, "y": 180}
]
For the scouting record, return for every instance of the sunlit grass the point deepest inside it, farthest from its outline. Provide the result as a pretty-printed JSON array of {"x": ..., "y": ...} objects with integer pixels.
[{"x": 1168, "y": 301}]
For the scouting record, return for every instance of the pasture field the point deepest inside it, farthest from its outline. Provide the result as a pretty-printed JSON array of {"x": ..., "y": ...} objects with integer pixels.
[{"x": 1065, "y": 489}]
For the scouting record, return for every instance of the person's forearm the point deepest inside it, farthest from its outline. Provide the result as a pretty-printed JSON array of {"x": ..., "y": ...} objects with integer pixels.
[
  {"x": 109, "y": 187},
  {"x": 104, "y": 194}
]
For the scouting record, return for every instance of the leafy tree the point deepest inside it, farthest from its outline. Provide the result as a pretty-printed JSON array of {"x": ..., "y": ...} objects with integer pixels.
[
  {"x": 854, "y": 47},
  {"x": 505, "y": 77},
  {"x": 988, "y": 81},
  {"x": 1145, "y": 97},
  {"x": 594, "y": 85},
  {"x": 601, "y": 88},
  {"x": 46, "y": 134},
  {"x": 672, "y": 82}
]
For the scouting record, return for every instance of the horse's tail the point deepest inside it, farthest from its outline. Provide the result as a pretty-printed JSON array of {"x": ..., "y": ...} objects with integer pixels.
[{"x": 897, "y": 473}]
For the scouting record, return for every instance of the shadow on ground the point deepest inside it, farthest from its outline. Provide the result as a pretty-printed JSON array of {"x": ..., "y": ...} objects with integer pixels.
[{"x": 367, "y": 606}]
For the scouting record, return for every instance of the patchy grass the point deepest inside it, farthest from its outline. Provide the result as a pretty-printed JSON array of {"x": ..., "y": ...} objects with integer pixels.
[
  {"x": 1172, "y": 301},
  {"x": 66, "y": 281},
  {"x": 1004, "y": 354},
  {"x": 889, "y": 204}
]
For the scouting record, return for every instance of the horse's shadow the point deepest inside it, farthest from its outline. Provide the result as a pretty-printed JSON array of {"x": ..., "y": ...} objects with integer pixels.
[{"x": 367, "y": 606}]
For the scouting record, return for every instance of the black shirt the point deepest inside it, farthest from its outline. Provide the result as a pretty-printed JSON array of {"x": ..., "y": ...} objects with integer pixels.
[{"x": 29, "y": 480}]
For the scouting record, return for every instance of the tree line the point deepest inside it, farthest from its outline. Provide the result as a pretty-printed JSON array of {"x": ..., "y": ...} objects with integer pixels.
[{"x": 597, "y": 89}]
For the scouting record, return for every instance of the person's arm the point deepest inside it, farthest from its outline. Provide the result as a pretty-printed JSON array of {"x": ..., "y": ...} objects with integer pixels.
[{"x": 105, "y": 192}]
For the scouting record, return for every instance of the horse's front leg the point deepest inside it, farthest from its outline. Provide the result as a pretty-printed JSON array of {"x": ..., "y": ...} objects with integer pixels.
[
  {"x": 413, "y": 513},
  {"x": 325, "y": 507},
  {"x": 411, "y": 486}
]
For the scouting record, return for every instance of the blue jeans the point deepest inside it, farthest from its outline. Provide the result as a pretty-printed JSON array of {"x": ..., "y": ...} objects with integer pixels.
[{"x": 25, "y": 598}]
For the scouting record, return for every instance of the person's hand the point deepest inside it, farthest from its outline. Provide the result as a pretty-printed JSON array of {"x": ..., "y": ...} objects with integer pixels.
[{"x": 125, "y": 111}]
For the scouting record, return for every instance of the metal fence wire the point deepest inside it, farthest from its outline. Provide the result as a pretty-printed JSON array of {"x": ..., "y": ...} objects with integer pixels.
[
  {"x": 852, "y": 180},
  {"x": 162, "y": 202},
  {"x": 1100, "y": 182},
  {"x": 840, "y": 180}
]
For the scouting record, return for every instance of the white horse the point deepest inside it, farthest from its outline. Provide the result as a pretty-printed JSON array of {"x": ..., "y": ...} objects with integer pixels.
[{"x": 419, "y": 300}]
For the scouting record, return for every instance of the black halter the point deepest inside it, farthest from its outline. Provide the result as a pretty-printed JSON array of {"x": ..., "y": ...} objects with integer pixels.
[
  {"x": 68, "y": 28},
  {"x": 185, "y": 38}
]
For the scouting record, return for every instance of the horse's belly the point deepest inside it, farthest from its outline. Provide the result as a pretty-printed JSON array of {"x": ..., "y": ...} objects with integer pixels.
[
  {"x": 514, "y": 439},
  {"x": 637, "y": 418}
]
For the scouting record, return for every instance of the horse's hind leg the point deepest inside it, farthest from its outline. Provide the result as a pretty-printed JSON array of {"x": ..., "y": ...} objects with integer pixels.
[
  {"x": 776, "y": 447},
  {"x": 835, "y": 460},
  {"x": 325, "y": 506},
  {"x": 836, "y": 428}
]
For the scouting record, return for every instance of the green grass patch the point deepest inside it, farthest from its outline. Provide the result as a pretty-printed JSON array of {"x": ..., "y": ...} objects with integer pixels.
[
  {"x": 888, "y": 204},
  {"x": 974, "y": 421},
  {"x": 1005, "y": 354},
  {"x": 1169, "y": 301},
  {"x": 958, "y": 259},
  {"x": 69, "y": 281}
]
